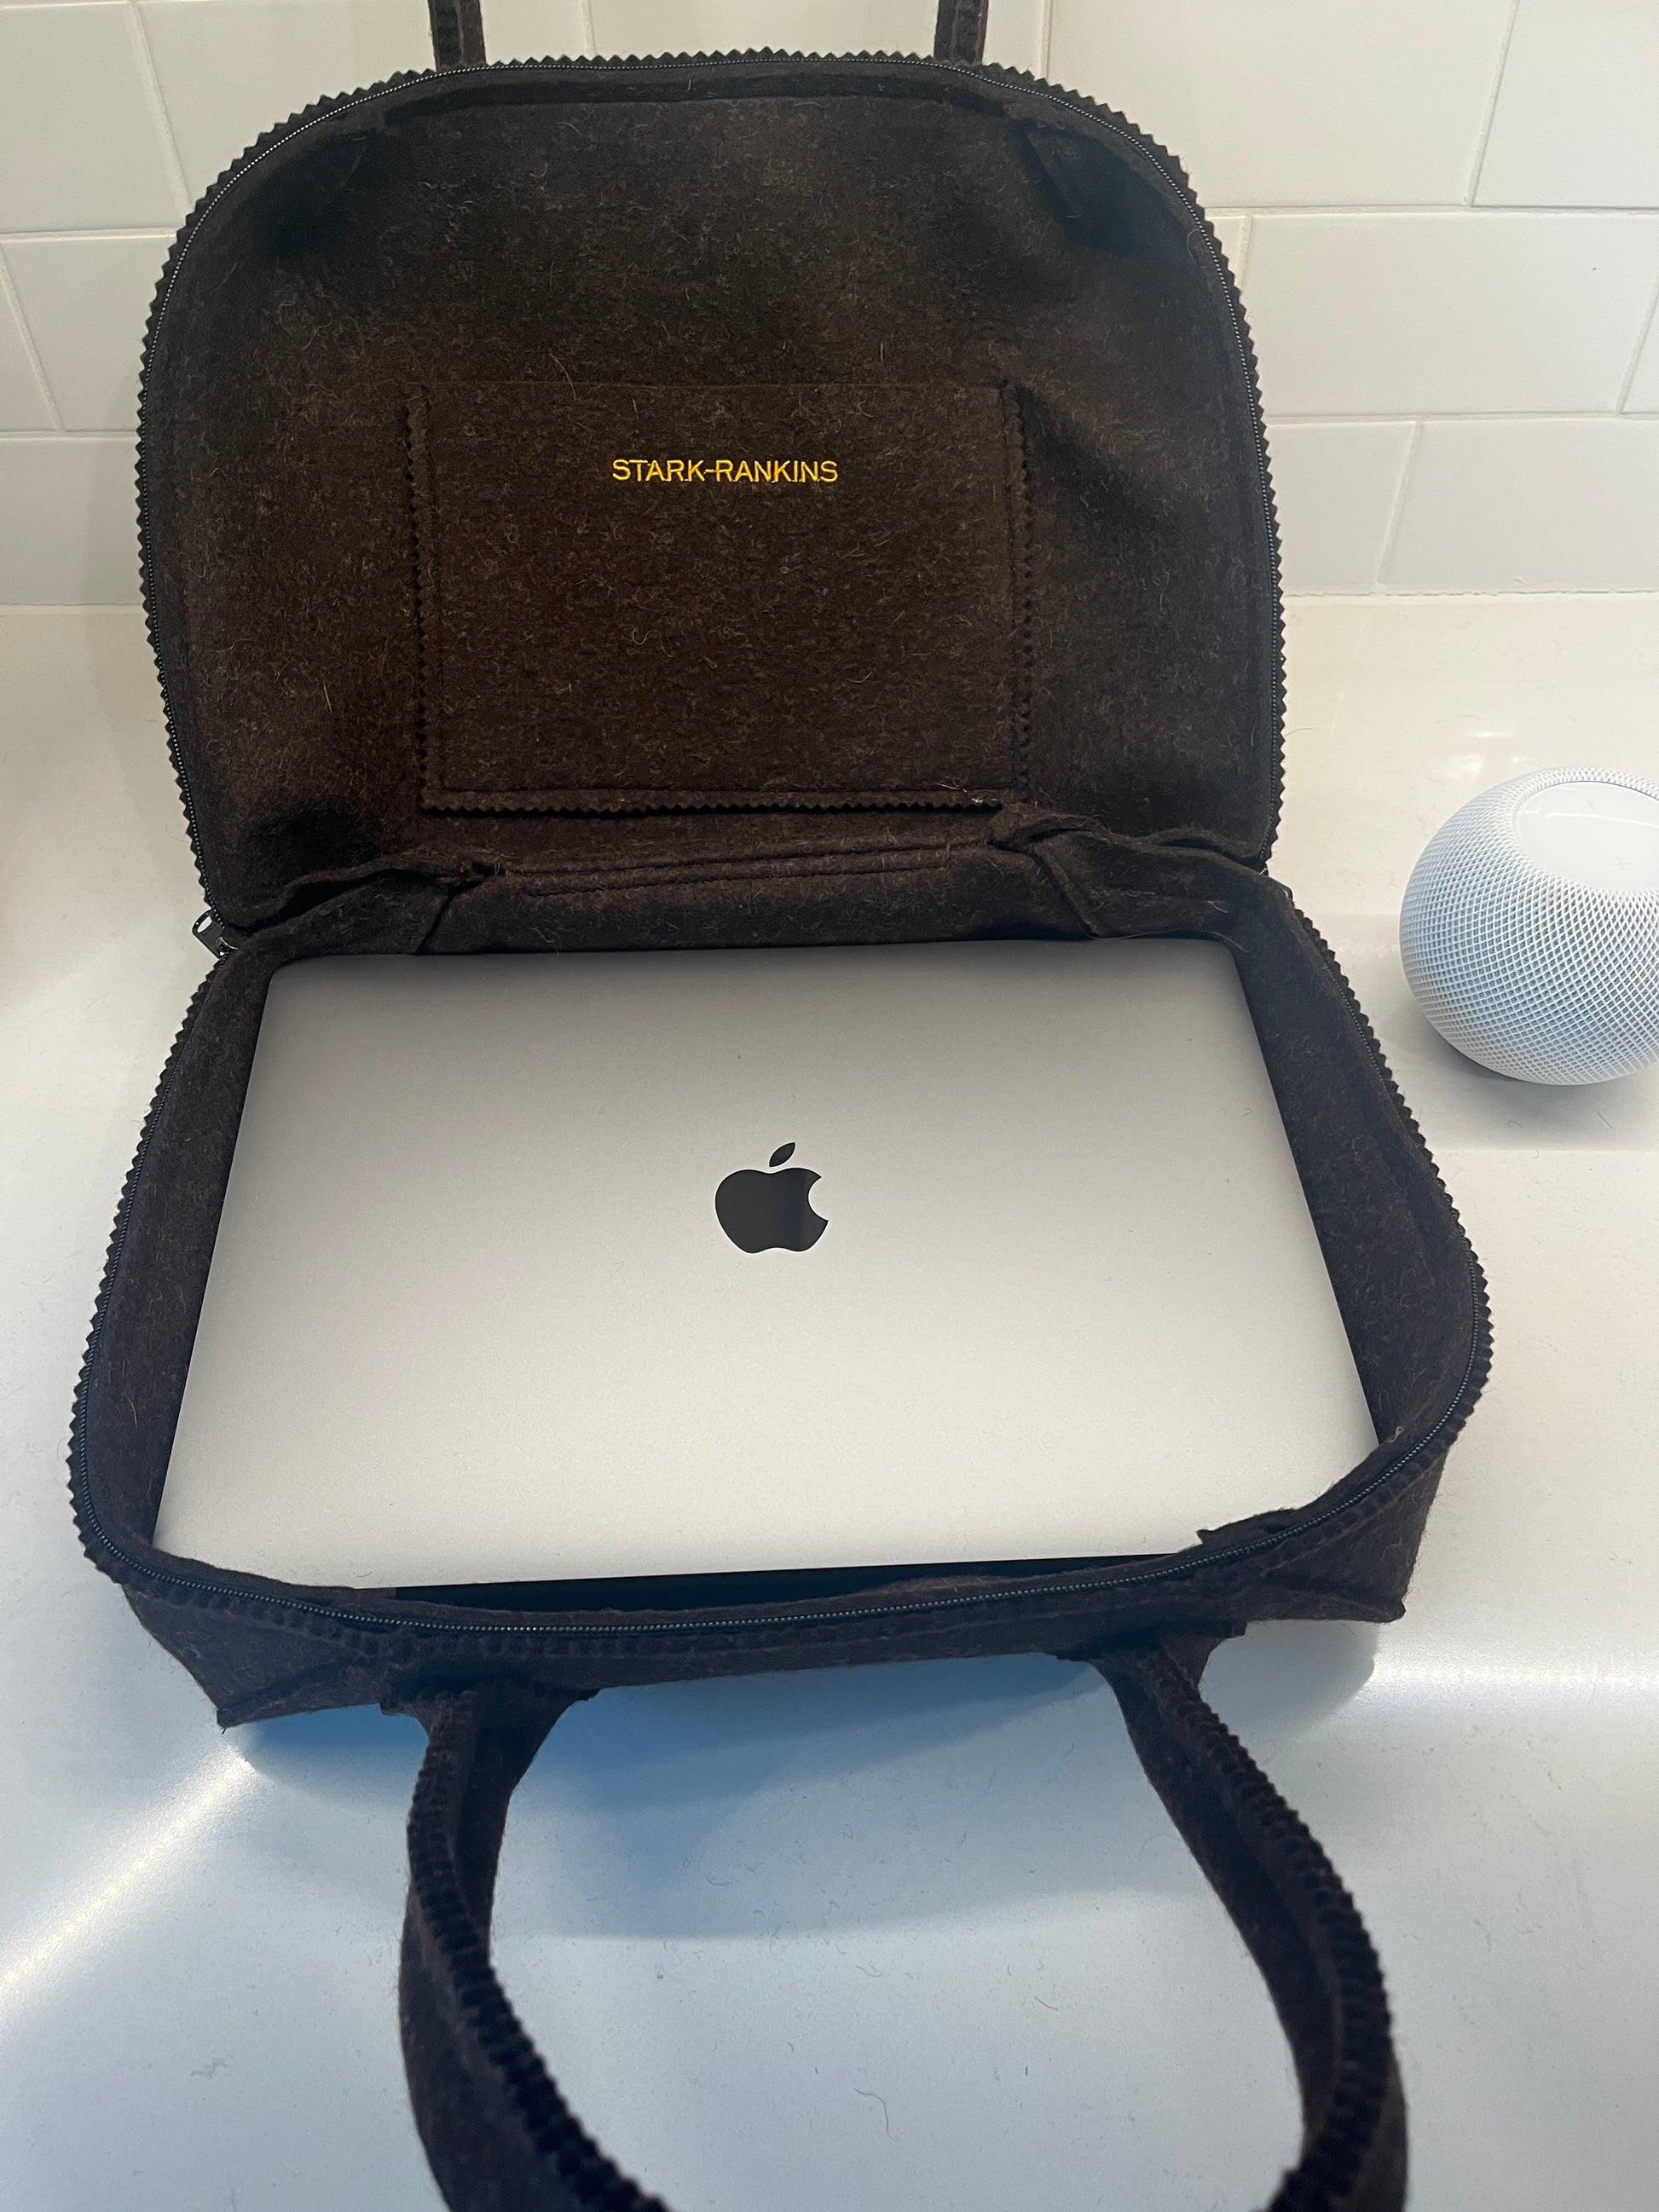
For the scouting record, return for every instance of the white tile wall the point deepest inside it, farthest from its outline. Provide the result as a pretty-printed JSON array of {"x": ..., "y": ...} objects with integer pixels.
[
  {"x": 1444, "y": 217},
  {"x": 1337, "y": 486},
  {"x": 228, "y": 70},
  {"x": 1234, "y": 231},
  {"x": 1642, "y": 397},
  {"x": 535, "y": 30},
  {"x": 1018, "y": 35},
  {"x": 70, "y": 532},
  {"x": 828, "y": 27},
  {"x": 1579, "y": 124},
  {"x": 85, "y": 301},
  {"x": 82, "y": 144},
  {"x": 1563, "y": 506},
  {"x": 1449, "y": 314},
  {"x": 23, "y": 402},
  {"x": 1279, "y": 103}
]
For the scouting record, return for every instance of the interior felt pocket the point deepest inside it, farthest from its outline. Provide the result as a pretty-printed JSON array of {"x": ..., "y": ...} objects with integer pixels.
[{"x": 651, "y": 597}]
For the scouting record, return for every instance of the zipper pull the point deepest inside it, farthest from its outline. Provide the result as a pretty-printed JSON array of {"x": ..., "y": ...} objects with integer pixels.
[{"x": 207, "y": 929}]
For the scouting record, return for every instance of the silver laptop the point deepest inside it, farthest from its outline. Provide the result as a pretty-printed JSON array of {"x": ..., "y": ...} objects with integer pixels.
[{"x": 543, "y": 1266}]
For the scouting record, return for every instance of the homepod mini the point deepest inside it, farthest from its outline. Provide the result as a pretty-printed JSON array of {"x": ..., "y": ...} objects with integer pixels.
[{"x": 1530, "y": 928}]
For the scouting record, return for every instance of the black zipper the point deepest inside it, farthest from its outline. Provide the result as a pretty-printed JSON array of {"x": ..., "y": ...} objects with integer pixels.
[
  {"x": 1178, "y": 1564},
  {"x": 976, "y": 72}
]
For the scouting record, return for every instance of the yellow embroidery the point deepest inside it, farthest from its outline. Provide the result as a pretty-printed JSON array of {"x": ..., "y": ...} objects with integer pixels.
[{"x": 639, "y": 468}]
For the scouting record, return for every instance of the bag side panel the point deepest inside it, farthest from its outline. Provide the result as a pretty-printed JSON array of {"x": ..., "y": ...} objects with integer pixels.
[{"x": 1411, "y": 1297}]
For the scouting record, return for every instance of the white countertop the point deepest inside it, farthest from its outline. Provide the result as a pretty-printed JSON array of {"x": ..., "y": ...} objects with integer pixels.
[{"x": 912, "y": 1937}]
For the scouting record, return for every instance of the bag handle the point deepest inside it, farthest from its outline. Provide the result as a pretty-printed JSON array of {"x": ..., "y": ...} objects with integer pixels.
[
  {"x": 1298, "y": 1923},
  {"x": 458, "y": 38},
  {"x": 959, "y": 30},
  {"x": 501, "y": 2138}
]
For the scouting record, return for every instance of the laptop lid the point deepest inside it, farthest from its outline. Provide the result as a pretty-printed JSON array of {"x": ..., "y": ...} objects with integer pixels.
[{"x": 538, "y": 1266}]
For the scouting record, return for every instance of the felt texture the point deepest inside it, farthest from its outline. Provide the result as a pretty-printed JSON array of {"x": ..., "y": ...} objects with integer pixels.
[
  {"x": 828, "y": 612},
  {"x": 458, "y": 38},
  {"x": 902, "y": 230},
  {"x": 959, "y": 30}
]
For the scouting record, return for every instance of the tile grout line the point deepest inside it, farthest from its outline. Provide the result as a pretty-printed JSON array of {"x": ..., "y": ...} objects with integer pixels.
[
  {"x": 1514, "y": 596},
  {"x": 1376, "y": 416},
  {"x": 56, "y": 435},
  {"x": 100, "y": 231},
  {"x": 1490, "y": 211},
  {"x": 1045, "y": 37},
  {"x": 590, "y": 36},
  {"x": 9, "y": 297},
  {"x": 183, "y": 198},
  {"x": 1397, "y": 507},
  {"x": 1471, "y": 196},
  {"x": 1648, "y": 329}
]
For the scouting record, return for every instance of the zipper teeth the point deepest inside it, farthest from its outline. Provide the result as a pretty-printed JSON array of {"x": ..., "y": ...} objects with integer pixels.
[
  {"x": 321, "y": 110},
  {"x": 1181, "y": 1565}
]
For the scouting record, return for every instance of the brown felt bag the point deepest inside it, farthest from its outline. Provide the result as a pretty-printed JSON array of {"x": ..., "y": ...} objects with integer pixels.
[{"x": 1037, "y": 691}]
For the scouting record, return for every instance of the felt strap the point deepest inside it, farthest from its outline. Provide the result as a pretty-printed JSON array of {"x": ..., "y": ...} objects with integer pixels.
[
  {"x": 1301, "y": 1926},
  {"x": 458, "y": 38},
  {"x": 959, "y": 30},
  {"x": 501, "y": 2138}
]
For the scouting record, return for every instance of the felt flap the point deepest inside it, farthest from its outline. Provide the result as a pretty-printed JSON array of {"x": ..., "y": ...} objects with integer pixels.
[{"x": 567, "y": 465}]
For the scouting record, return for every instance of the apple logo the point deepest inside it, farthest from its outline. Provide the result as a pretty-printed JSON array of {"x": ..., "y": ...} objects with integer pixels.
[{"x": 761, "y": 1209}]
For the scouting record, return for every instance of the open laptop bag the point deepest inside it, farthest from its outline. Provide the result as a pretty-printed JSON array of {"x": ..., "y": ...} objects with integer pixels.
[{"x": 992, "y": 609}]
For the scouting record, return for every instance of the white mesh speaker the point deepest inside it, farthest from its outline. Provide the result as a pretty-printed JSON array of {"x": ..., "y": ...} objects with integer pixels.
[{"x": 1530, "y": 928}]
